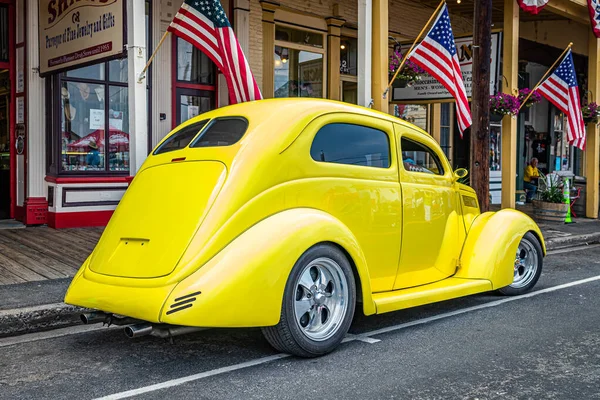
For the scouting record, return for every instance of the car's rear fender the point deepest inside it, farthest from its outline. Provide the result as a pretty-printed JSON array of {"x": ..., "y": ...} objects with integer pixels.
[
  {"x": 491, "y": 245},
  {"x": 243, "y": 285}
]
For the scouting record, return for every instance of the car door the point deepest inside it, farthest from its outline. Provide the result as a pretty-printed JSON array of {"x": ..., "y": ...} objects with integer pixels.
[{"x": 431, "y": 221}]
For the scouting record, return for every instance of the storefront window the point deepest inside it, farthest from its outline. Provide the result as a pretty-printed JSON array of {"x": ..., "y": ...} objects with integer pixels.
[
  {"x": 89, "y": 104},
  {"x": 445, "y": 129},
  {"x": 414, "y": 113},
  {"x": 350, "y": 92},
  {"x": 495, "y": 142},
  {"x": 4, "y": 33},
  {"x": 349, "y": 56},
  {"x": 299, "y": 63},
  {"x": 349, "y": 69},
  {"x": 298, "y": 36},
  {"x": 191, "y": 105},
  {"x": 298, "y": 73},
  {"x": 195, "y": 83},
  {"x": 193, "y": 66}
]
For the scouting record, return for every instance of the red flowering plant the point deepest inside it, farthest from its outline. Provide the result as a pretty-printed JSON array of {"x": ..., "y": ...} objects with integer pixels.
[
  {"x": 534, "y": 98},
  {"x": 410, "y": 72},
  {"x": 590, "y": 112},
  {"x": 504, "y": 104}
]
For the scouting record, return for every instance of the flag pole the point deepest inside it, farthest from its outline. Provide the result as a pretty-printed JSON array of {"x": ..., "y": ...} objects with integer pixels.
[
  {"x": 546, "y": 74},
  {"x": 143, "y": 74},
  {"x": 403, "y": 61}
]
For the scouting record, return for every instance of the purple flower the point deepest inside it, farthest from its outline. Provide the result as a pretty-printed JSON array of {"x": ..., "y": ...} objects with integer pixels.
[
  {"x": 410, "y": 71},
  {"x": 534, "y": 98},
  {"x": 503, "y": 103},
  {"x": 590, "y": 111}
]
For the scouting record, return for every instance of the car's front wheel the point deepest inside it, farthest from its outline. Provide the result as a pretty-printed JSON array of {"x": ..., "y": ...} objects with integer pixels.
[
  {"x": 527, "y": 267},
  {"x": 318, "y": 304}
]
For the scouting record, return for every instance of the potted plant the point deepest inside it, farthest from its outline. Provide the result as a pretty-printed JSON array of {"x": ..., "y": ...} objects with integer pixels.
[
  {"x": 550, "y": 205},
  {"x": 590, "y": 113},
  {"x": 502, "y": 104},
  {"x": 410, "y": 72},
  {"x": 534, "y": 98}
]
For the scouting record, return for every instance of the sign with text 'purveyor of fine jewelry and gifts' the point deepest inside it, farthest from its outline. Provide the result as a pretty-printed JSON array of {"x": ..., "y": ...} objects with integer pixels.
[{"x": 76, "y": 33}]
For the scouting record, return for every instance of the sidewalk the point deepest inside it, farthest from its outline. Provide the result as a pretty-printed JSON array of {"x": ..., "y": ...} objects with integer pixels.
[{"x": 36, "y": 306}]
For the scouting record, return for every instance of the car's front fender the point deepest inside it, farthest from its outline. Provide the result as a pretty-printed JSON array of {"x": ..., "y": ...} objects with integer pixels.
[
  {"x": 243, "y": 285},
  {"x": 491, "y": 245}
]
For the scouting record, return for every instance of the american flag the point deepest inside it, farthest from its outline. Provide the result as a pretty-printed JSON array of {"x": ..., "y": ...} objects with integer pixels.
[
  {"x": 436, "y": 54},
  {"x": 561, "y": 90},
  {"x": 204, "y": 24}
]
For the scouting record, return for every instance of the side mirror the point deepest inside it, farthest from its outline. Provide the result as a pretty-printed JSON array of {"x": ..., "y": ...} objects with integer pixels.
[{"x": 460, "y": 174}]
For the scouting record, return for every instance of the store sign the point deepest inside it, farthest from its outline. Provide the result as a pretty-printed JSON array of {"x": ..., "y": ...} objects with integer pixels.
[
  {"x": 75, "y": 32},
  {"x": 429, "y": 89}
]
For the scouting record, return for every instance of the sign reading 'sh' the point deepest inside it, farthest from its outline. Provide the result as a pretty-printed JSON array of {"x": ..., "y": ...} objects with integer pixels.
[{"x": 74, "y": 33}]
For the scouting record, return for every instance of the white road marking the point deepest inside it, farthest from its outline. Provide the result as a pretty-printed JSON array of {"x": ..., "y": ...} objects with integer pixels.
[
  {"x": 351, "y": 338},
  {"x": 180, "y": 381},
  {"x": 55, "y": 333},
  {"x": 572, "y": 249}
]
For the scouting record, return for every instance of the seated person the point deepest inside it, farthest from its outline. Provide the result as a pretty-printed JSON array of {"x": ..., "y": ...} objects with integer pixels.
[{"x": 530, "y": 179}]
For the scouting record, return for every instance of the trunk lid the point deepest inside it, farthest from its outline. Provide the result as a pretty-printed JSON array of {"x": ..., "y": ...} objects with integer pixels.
[{"x": 156, "y": 219}]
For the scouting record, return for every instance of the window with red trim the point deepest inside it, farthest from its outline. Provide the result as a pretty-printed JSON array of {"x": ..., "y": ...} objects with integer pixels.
[{"x": 194, "y": 82}]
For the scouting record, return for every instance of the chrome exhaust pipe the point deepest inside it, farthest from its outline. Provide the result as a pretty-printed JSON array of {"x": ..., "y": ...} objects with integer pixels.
[
  {"x": 94, "y": 317},
  {"x": 133, "y": 331},
  {"x": 159, "y": 330}
]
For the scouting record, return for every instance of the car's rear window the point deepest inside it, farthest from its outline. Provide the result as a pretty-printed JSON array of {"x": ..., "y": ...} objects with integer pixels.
[
  {"x": 222, "y": 132},
  {"x": 181, "y": 138}
]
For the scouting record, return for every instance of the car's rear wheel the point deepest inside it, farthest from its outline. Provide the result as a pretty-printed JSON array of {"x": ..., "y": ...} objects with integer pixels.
[
  {"x": 527, "y": 268},
  {"x": 318, "y": 304}
]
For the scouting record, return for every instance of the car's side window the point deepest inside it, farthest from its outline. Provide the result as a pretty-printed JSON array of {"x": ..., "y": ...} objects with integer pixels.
[
  {"x": 417, "y": 157},
  {"x": 351, "y": 144}
]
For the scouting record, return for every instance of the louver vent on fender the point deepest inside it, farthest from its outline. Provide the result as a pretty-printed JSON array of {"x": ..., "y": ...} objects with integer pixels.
[{"x": 183, "y": 302}]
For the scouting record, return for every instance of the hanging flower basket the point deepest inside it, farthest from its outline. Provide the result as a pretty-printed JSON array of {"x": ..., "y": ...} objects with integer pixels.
[
  {"x": 590, "y": 113},
  {"x": 409, "y": 74},
  {"x": 533, "y": 99},
  {"x": 502, "y": 104}
]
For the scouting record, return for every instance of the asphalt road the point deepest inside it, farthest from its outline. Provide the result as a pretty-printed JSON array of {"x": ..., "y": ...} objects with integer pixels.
[{"x": 545, "y": 346}]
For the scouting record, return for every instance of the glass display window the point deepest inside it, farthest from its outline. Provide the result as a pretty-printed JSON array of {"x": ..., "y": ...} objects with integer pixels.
[
  {"x": 414, "y": 113},
  {"x": 299, "y": 63},
  {"x": 495, "y": 147},
  {"x": 349, "y": 69},
  {"x": 94, "y": 121},
  {"x": 195, "y": 82}
]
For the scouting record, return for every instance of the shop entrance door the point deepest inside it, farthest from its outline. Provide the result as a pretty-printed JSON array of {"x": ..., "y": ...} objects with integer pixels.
[
  {"x": 7, "y": 181},
  {"x": 192, "y": 102}
]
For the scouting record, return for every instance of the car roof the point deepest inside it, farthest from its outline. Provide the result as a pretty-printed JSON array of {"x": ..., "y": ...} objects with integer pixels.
[{"x": 294, "y": 110}]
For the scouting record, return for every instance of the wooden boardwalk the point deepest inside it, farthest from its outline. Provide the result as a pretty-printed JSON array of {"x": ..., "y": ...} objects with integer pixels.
[{"x": 40, "y": 253}]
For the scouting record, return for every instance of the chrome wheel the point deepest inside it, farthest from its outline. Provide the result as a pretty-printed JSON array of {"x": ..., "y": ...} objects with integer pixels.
[
  {"x": 321, "y": 299},
  {"x": 526, "y": 264}
]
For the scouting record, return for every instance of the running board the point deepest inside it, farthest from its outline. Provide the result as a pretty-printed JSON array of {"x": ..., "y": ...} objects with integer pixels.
[{"x": 446, "y": 289}]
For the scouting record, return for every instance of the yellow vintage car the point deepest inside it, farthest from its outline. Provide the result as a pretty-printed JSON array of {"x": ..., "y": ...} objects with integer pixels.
[{"x": 286, "y": 214}]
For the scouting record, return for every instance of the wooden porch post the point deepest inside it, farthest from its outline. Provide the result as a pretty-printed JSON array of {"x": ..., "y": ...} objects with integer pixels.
[
  {"x": 509, "y": 125},
  {"x": 380, "y": 55},
  {"x": 268, "y": 25},
  {"x": 334, "y": 28},
  {"x": 592, "y": 159}
]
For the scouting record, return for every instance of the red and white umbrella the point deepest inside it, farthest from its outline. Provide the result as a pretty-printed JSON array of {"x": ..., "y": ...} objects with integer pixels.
[
  {"x": 117, "y": 139},
  {"x": 532, "y": 6}
]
